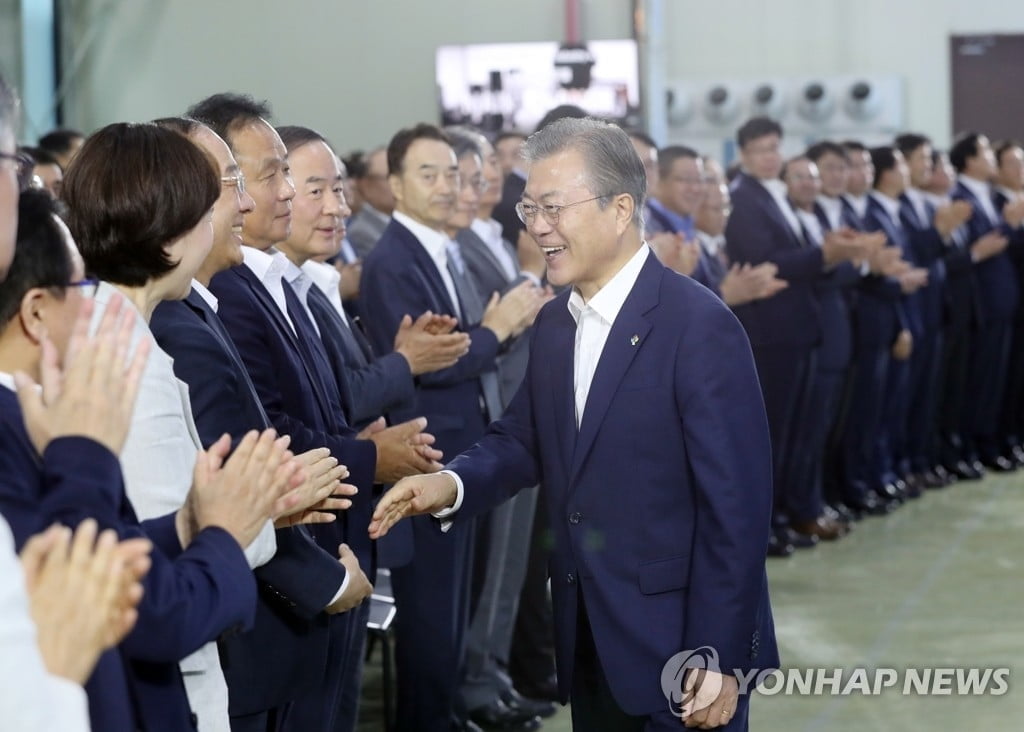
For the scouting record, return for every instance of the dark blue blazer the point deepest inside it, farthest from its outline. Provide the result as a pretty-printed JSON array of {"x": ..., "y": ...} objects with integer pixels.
[
  {"x": 757, "y": 232},
  {"x": 378, "y": 385},
  {"x": 1016, "y": 248},
  {"x": 929, "y": 251},
  {"x": 910, "y": 306},
  {"x": 835, "y": 289},
  {"x": 400, "y": 278},
  {"x": 191, "y": 595},
  {"x": 995, "y": 278},
  {"x": 296, "y": 400},
  {"x": 285, "y": 653},
  {"x": 660, "y": 503}
]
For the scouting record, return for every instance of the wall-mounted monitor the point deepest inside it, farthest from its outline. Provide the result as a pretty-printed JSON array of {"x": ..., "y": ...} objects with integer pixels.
[{"x": 511, "y": 86}]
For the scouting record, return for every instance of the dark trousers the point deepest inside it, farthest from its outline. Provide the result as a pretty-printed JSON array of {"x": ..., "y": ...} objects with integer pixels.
[
  {"x": 531, "y": 661},
  {"x": 985, "y": 385},
  {"x": 432, "y": 602},
  {"x": 784, "y": 373},
  {"x": 955, "y": 359},
  {"x": 1012, "y": 417},
  {"x": 259, "y": 722},
  {"x": 317, "y": 710},
  {"x": 594, "y": 708},
  {"x": 863, "y": 422},
  {"x": 922, "y": 424},
  {"x": 352, "y": 671},
  {"x": 816, "y": 482},
  {"x": 891, "y": 456}
]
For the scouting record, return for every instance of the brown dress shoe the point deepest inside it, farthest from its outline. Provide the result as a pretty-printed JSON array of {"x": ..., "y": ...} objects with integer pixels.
[{"x": 824, "y": 527}]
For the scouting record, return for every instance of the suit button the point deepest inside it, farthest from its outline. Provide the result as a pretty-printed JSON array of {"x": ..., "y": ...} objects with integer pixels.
[
  {"x": 570, "y": 578},
  {"x": 575, "y": 518}
]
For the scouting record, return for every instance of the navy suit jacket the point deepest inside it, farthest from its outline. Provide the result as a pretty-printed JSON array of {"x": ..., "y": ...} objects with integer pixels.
[
  {"x": 400, "y": 278},
  {"x": 378, "y": 385},
  {"x": 758, "y": 232},
  {"x": 931, "y": 252},
  {"x": 995, "y": 278},
  {"x": 660, "y": 502},
  {"x": 190, "y": 596},
  {"x": 1016, "y": 248},
  {"x": 909, "y": 313},
  {"x": 835, "y": 290},
  {"x": 285, "y": 653},
  {"x": 296, "y": 401}
]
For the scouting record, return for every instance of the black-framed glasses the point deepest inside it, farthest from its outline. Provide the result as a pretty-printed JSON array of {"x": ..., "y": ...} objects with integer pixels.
[
  {"x": 551, "y": 212},
  {"x": 23, "y": 166},
  {"x": 88, "y": 286},
  {"x": 234, "y": 181}
]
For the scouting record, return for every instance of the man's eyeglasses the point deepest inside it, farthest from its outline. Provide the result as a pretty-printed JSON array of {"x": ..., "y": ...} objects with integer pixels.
[
  {"x": 234, "y": 181},
  {"x": 23, "y": 166},
  {"x": 551, "y": 212},
  {"x": 87, "y": 286}
]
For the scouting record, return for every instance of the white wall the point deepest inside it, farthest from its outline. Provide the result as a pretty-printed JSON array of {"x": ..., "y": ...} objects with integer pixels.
[
  {"x": 356, "y": 70},
  {"x": 760, "y": 38},
  {"x": 359, "y": 69}
]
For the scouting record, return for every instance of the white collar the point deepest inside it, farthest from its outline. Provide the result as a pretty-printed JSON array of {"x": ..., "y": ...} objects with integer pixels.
[
  {"x": 833, "y": 208},
  {"x": 487, "y": 229},
  {"x": 7, "y": 381},
  {"x": 979, "y": 188},
  {"x": 205, "y": 293},
  {"x": 608, "y": 301},
  {"x": 434, "y": 241},
  {"x": 325, "y": 276},
  {"x": 711, "y": 244},
  {"x": 298, "y": 280},
  {"x": 891, "y": 205},
  {"x": 1009, "y": 192},
  {"x": 268, "y": 266},
  {"x": 858, "y": 203}
]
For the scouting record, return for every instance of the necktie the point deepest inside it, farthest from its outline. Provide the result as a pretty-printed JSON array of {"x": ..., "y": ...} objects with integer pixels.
[{"x": 473, "y": 312}]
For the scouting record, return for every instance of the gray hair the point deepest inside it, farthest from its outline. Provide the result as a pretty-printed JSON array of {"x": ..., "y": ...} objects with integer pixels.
[
  {"x": 612, "y": 164},
  {"x": 465, "y": 141}
]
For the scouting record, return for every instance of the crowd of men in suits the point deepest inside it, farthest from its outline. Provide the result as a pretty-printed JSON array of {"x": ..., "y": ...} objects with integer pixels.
[
  {"x": 880, "y": 290},
  {"x": 234, "y": 361}
]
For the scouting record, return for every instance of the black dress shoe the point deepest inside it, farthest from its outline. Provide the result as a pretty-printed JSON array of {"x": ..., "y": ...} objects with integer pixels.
[
  {"x": 932, "y": 480},
  {"x": 546, "y": 689},
  {"x": 499, "y": 716},
  {"x": 941, "y": 473},
  {"x": 964, "y": 470},
  {"x": 871, "y": 505},
  {"x": 915, "y": 486},
  {"x": 1000, "y": 464},
  {"x": 892, "y": 491},
  {"x": 799, "y": 541},
  {"x": 534, "y": 707},
  {"x": 845, "y": 513},
  {"x": 778, "y": 547}
]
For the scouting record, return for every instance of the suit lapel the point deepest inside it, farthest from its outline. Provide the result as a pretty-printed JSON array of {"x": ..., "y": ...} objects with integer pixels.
[
  {"x": 558, "y": 353},
  {"x": 427, "y": 269},
  {"x": 627, "y": 337}
]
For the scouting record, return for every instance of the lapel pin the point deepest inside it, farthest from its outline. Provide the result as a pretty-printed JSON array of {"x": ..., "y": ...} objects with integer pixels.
[{"x": 634, "y": 340}]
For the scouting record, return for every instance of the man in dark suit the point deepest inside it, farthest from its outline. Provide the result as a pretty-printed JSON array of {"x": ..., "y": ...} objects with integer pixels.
[
  {"x": 1008, "y": 191},
  {"x": 199, "y": 585},
  {"x": 286, "y": 652},
  {"x": 998, "y": 295},
  {"x": 784, "y": 330},
  {"x": 676, "y": 561},
  {"x": 290, "y": 371},
  {"x": 365, "y": 227},
  {"x": 408, "y": 274}
]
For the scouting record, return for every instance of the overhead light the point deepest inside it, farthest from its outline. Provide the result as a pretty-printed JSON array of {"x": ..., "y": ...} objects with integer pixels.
[
  {"x": 720, "y": 105},
  {"x": 816, "y": 104},
  {"x": 767, "y": 101},
  {"x": 861, "y": 101}
]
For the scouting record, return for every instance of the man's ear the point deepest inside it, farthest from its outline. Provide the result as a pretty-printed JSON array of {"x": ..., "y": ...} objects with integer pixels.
[
  {"x": 31, "y": 314},
  {"x": 624, "y": 208},
  {"x": 395, "y": 184}
]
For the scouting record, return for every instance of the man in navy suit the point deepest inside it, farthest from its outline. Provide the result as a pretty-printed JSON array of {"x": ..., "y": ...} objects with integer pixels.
[
  {"x": 286, "y": 651},
  {"x": 998, "y": 294},
  {"x": 408, "y": 274},
  {"x": 784, "y": 330},
  {"x": 655, "y": 465},
  {"x": 291, "y": 373}
]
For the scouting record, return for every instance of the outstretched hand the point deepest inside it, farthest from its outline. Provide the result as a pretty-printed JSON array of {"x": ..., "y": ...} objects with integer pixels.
[{"x": 412, "y": 496}]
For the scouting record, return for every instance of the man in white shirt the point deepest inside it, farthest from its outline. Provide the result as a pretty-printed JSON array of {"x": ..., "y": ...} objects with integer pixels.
[{"x": 641, "y": 417}]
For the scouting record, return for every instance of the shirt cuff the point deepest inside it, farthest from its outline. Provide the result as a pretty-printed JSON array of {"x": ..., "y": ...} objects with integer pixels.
[
  {"x": 445, "y": 514},
  {"x": 865, "y": 269},
  {"x": 341, "y": 590}
]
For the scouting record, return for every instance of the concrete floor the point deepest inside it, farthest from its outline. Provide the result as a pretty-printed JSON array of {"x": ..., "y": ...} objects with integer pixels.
[{"x": 938, "y": 583}]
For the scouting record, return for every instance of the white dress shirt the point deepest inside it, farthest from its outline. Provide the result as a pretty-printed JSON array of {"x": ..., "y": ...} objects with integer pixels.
[
  {"x": 858, "y": 203},
  {"x": 270, "y": 267},
  {"x": 833, "y": 208},
  {"x": 891, "y": 206},
  {"x": 777, "y": 189},
  {"x": 436, "y": 244},
  {"x": 594, "y": 321},
  {"x": 157, "y": 460},
  {"x": 712, "y": 245},
  {"x": 204, "y": 292},
  {"x": 490, "y": 232},
  {"x": 919, "y": 202},
  {"x": 326, "y": 278},
  {"x": 32, "y": 699},
  {"x": 812, "y": 226},
  {"x": 983, "y": 192}
]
